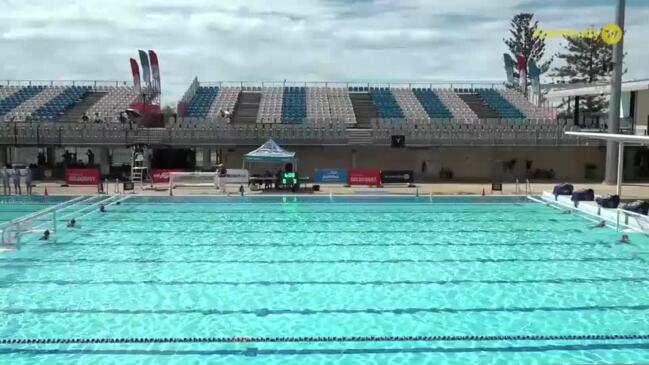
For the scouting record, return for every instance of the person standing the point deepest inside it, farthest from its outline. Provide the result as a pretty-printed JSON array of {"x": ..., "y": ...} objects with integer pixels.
[
  {"x": 16, "y": 178},
  {"x": 91, "y": 157},
  {"x": 5, "y": 180},
  {"x": 223, "y": 174},
  {"x": 28, "y": 180}
]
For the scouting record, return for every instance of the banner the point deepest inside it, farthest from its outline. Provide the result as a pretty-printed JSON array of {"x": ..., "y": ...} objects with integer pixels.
[
  {"x": 370, "y": 177},
  {"x": 146, "y": 69},
  {"x": 160, "y": 176},
  {"x": 509, "y": 68},
  {"x": 82, "y": 176},
  {"x": 155, "y": 70},
  {"x": 330, "y": 176},
  {"x": 521, "y": 65},
  {"x": 135, "y": 70},
  {"x": 397, "y": 177}
]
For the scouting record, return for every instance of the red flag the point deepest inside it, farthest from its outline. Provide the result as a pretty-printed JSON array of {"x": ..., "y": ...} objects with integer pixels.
[
  {"x": 155, "y": 69},
  {"x": 135, "y": 70},
  {"x": 521, "y": 63}
]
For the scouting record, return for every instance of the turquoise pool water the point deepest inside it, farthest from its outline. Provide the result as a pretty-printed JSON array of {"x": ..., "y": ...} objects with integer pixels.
[
  {"x": 297, "y": 267},
  {"x": 12, "y": 207}
]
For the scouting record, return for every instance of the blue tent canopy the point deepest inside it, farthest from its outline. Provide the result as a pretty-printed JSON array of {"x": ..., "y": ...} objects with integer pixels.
[{"x": 270, "y": 152}]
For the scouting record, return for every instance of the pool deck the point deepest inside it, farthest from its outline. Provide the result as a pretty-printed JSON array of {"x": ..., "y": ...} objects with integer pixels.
[{"x": 629, "y": 191}]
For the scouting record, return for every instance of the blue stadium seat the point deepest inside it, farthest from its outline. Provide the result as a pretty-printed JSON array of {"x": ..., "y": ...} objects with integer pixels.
[
  {"x": 200, "y": 104},
  {"x": 432, "y": 104},
  {"x": 294, "y": 105},
  {"x": 501, "y": 105},
  {"x": 60, "y": 103},
  {"x": 386, "y": 104},
  {"x": 9, "y": 103}
]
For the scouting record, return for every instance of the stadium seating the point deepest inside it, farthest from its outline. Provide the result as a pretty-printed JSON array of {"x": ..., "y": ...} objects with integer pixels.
[
  {"x": 503, "y": 107},
  {"x": 340, "y": 105},
  {"x": 410, "y": 105},
  {"x": 385, "y": 103},
  {"x": 461, "y": 112},
  {"x": 201, "y": 103},
  {"x": 57, "y": 105},
  {"x": 115, "y": 101},
  {"x": 294, "y": 105},
  {"x": 518, "y": 100},
  {"x": 226, "y": 100},
  {"x": 270, "y": 106},
  {"x": 432, "y": 104},
  {"x": 21, "y": 94}
]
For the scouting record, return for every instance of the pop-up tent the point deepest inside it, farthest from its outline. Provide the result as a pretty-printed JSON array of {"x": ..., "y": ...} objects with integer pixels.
[{"x": 270, "y": 152}]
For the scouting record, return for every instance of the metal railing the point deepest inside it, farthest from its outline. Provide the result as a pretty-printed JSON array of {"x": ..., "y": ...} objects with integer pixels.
[{"x": 76, "y": 134}]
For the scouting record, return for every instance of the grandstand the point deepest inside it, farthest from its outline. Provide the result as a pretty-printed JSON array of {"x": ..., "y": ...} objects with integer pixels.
[{"x": 64, "y": 101}]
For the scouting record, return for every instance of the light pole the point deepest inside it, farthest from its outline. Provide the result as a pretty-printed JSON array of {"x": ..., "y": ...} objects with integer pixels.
[{"x": 614, "y": 105}]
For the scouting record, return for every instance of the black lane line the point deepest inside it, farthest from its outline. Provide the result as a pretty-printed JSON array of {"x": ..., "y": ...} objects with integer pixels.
[
  {"x": 277, "y": 244},
  {"x": 326, "y": 282},
  {"x": 342, "y": 231},
  {"x": 341, "y": 261},
  {"x": 263, "y": 312}
]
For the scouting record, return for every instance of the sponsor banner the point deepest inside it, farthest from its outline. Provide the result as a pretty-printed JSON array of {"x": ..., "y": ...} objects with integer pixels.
[
  {"x": 370, "y": 177},
  {"x": 160, "y": 176},
  {"x": 235, "y": 176},
  {"x": 135, "y": 70},
  {"x": 82, "y": 176},
  {"x": 155, "y": 70},
  {"x": 146, "y": 68},
  {"x": 330, "y": 176},
  {"x": 397, "y": 177}
]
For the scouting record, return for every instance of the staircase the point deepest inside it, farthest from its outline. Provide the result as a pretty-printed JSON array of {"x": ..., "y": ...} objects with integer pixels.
[
  {"x": 359, "y": 136},
  {"x": 75, "y": 113},
  {"x": 482, "y": 110},
  {"x": 364, "y": 109},
  {"x": 247, "y": 107}
]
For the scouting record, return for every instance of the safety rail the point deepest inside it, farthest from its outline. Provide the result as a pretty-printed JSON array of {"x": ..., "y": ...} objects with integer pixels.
[
  {"x": 17, "y": 134},
  {"x": 313, "y": 339}
]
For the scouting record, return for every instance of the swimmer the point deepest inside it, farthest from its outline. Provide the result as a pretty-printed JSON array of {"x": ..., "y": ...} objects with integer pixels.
[
  {"x": 46, "y": 236},
  {"x": 118, "y": 203},
  {"x": 624, "y": 240},
  {"x": 72, "y": 223},
  {"x": 102, "y": 208},
  {"x": 600, "y": 224}
]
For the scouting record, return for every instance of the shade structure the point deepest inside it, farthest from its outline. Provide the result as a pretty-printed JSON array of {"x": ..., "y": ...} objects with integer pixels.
[{"x": 270, "y": 152}]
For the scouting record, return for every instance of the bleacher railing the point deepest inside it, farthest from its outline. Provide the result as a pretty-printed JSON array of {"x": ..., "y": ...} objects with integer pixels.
[
  {"x": 92, "y": 83},
  {"x": 76, "y": 134},
  {"x": 440, "y": 84}
]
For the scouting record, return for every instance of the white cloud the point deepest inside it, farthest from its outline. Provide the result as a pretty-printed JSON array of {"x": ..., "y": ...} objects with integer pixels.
[{"x": 311, "y": 40}]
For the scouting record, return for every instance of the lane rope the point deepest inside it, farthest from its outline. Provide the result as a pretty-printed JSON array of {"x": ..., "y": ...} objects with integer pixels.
[{"x": 31, "y": 341}]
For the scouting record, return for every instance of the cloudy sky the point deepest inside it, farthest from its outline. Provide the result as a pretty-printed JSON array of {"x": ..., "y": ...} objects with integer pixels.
[{"x": 270, "y": 40}]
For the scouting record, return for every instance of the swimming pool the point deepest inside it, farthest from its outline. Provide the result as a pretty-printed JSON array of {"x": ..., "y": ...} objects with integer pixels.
[
  {"x": 15, "y": 206},
  {"x": 313, "y": 267}
]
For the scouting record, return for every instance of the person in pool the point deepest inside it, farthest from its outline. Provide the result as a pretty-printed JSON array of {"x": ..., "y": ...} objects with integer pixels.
[
  {"x": 600, "y": 224},
  {"x": 102, "y": 208},
  {"x": 624, "y": 240},
  {"x": 72, "y": 223},
  {"x": 46, "y": 236}
]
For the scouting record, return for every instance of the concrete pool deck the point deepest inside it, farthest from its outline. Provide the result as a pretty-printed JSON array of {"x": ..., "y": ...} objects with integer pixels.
[{"x": 629, "y": 191}]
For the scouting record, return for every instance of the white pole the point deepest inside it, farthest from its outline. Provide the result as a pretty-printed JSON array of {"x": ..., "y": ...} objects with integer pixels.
[{"x": 620, "y": 167}]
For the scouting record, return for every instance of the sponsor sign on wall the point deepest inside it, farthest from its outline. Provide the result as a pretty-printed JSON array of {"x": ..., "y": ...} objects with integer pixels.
[
  {"x": 397, "y": 177},
  {"x": 330, "y": 176},
  {"x": 161, "y": 176},
  {"x": 370, "y": 177},
  {"x": 82, "y": 176}
]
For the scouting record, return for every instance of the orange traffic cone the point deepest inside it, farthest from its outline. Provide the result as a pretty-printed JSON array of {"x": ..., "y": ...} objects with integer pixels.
[
  {"x": 45, "y": 192},
  {"x": 483, "y": 192}
]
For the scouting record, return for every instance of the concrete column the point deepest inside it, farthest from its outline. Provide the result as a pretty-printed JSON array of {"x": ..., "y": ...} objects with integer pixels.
[
  {"x": 207, "y": 158},
  {"x": 614, "y": 105},
  {"x": 353, "y": 159},
  {"x": 104, "y": 160},
  {"x": 50, "y": 156},
  {"x": 3, "y": 156}
]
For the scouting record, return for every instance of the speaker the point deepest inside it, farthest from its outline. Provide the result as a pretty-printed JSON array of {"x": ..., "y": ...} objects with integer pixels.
[{"x": 398, "y": 141}]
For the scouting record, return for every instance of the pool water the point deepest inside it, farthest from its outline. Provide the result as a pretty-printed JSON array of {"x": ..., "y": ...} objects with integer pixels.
[
  {"x": 297, "y": 267},
  {"x": 15, "y": 206}
]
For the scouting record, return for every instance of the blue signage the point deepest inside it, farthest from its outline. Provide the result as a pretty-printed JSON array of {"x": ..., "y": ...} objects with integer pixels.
[{"x": 330, "y": 176}]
